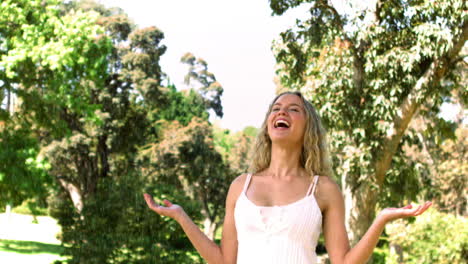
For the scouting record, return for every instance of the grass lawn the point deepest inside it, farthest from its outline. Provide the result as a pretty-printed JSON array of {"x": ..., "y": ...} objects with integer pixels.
[{"x": 23, "y": 241}]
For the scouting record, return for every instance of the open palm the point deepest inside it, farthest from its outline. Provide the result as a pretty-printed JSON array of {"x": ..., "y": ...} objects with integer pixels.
[
  {"x": 394, "y": 213},
  {"x": 170, "y": 210}
]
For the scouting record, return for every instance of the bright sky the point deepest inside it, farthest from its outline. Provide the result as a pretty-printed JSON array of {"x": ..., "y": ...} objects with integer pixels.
[{"x": 234, "y": 37}]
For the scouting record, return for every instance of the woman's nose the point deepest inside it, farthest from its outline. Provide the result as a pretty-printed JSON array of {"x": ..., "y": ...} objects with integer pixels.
[{"x": 282, "y": 111}]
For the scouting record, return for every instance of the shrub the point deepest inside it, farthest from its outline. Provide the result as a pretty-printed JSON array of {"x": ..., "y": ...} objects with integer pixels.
[
  {"x": 116, "y": 226},
  {"x": 434, "y": 237}
]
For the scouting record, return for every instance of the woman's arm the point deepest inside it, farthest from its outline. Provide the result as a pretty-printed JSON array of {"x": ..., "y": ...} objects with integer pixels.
[
  {"x": 209, "y": 250},
  {"x": 336, "y": 238}
]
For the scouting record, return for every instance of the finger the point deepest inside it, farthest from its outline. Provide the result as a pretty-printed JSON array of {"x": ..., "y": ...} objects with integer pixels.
[
  {"x": 409, "y": 206},
  {"x": 161, "y": 210},
  {"x": 418, "y": 209},
  {"x": 410, "y": 211},
  {"x": 167, "y": 203},
  {"x": 150, "y": 202},
  {"x": 424, "y": 207},
  {"x": 148, "y": 198}
]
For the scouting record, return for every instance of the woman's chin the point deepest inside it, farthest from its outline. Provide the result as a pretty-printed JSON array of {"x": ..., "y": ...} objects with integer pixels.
[{"x": 282, "y": 139}]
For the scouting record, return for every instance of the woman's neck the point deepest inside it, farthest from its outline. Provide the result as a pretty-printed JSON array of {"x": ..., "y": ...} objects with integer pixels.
[{"x": 285, "y": 162}]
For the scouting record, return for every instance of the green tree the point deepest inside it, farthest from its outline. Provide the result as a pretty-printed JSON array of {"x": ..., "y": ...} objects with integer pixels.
[
  {"x": 46, "y": 65},
  {"x": 452, "y": 195},
  {"x": 183, "y": 106},
  {"x": 74, "y": 87},
  {"x": 369, "y": 73},
  {"x": 443, "y": 153},
  {"x": 92, "y": 105},
  {"x": 89, "y": 86},
  {"x": 22, "y": 172},
  {"x": 420, "y": 240},
  {"x": 200, "y": 79},
  {"x": 235, "y": 148},
  {"x": 187, "y": 158}
]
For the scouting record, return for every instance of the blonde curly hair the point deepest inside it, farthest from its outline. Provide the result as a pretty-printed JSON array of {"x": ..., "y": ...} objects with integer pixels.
[{"x": 315, "y": 158}]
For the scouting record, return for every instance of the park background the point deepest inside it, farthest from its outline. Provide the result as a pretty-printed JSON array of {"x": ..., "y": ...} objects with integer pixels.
[{"x": 93, "y": 114}]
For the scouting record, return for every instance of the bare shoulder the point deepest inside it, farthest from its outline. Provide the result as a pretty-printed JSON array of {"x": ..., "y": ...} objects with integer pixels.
[
  {"x": 328, "y": 192},
  {"x": 238, "y": 183},
  {"x": 236, "y": 188},
  {"x": 327, "y": 185}
]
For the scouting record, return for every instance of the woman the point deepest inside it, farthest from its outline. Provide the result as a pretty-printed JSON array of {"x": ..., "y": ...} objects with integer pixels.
[{"x": 275, "y": 215}]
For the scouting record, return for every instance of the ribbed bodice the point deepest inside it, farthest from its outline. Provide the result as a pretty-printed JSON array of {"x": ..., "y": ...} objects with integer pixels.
[{"x": 285, "y": 234}]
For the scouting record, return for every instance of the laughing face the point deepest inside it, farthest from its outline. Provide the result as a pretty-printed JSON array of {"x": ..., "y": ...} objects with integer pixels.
[{"x": 287, "y": 120}]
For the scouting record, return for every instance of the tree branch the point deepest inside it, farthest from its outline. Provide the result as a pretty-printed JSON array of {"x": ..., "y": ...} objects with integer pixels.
[
  {"x": 412, "y": 102},
  {"x": 338, "y": 21},
  {"x": 378, "y": 8},
  {"x": 74, "y": 192},
  {"x": 459, "y": 59},
  {"x": 357, "y": 51}
]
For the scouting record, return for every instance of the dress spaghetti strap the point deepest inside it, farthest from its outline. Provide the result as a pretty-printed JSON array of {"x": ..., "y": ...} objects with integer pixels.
[
  {"x": 277, "y": 234},
  {"x": 313, "y": 185},
  {"x": 247, "y": 182}
]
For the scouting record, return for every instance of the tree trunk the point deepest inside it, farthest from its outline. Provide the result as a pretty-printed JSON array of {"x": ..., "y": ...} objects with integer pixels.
[
  {"x": 397, "y": 250},
  {"x": 209, "y": 225},
  {"x": 8, "y": 212},
  {"x": 361, "y": 197},
  {"x": 8, "y": 104},
  {"x": 360, "y": 202},
  {"x": 209, "y": 228},
  {"x": 2, "y": 96},
  {"x": 75, "y": 194}
]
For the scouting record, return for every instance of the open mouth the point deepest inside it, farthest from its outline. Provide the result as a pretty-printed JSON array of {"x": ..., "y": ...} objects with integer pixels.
[{"x": 281, "y": 124}]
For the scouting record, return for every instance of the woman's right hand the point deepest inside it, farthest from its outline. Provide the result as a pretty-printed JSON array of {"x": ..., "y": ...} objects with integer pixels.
[{"x": 173, "y": 211}]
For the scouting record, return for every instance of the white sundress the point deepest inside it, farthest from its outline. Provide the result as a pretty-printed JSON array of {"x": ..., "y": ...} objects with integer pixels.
[{"x": 285, "y": 234}]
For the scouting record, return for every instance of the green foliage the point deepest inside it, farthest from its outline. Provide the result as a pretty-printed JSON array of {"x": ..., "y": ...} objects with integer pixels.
[
  {"x": 186, "y": 157},
  {"x": 116, "y": 226},
  {"x": 183, "y": 106},
  {"x": 235, "y": 148},
  {"x": 447, "y": 177},
  {"x": 52, "y": 55},
  {"x": 223, "y": 140},
  {"x": 369, "y": 72},
  {"x": 359, "y": 79},
  {"x": 381, "y": 255},
  {"x": 32, "y": 207},
  {"x": 391, "y": 60},
  {"x": 204, "y": 82},
  {"x": 433, "y": 237},
  {"x": 22, "y": 173},
  {"x": 403, "y": 181},
  {"x": 281, "y": 6},
  {"x": 90, "y": 100},
  {"x": 92, "y": 104}
]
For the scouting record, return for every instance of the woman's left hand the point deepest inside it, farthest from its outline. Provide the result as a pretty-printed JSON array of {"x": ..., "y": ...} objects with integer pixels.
[{"x": 389, "y": 214}]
